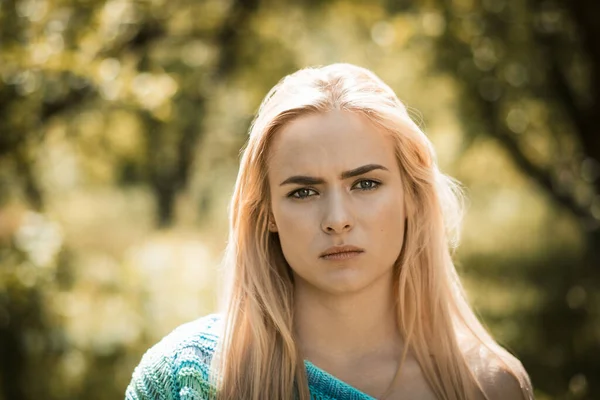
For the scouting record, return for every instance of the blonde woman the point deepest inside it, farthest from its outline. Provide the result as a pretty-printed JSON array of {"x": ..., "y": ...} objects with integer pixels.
[{"x": 342, "y": 283}]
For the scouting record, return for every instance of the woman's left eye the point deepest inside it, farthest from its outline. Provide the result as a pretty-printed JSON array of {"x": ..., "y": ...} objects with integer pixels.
[{"x": 367, "y": 184}]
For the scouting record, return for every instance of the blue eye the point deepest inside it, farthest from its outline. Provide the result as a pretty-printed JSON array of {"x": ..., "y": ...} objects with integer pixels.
[
  {"x": 372, "y": 184},
  {"x": 364, "y": 185},
  {"x": 299, "y": 191}
]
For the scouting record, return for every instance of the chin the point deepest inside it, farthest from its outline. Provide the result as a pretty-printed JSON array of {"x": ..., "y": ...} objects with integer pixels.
[
  {"x": 340, "y": 285},
  {"x": 342, "y": 280}
]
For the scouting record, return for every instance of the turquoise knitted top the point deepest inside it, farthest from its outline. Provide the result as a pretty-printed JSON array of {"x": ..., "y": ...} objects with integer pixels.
[{"x": 177, "y": 367}]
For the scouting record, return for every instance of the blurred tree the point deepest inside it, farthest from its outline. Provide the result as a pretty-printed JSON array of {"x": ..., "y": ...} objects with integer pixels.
[
  {"x": 161, "y": 62},
  {"x": 79, "y": 67},
  {"x": 120, "y": 94},
  {"x": 529, "y": 75}
]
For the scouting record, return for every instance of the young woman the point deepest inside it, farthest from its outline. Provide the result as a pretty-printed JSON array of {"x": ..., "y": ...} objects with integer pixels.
[{"x": 342, "y": 283}]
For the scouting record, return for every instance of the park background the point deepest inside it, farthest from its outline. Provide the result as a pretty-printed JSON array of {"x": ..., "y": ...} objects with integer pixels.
[{"x": 121, "y": 124}]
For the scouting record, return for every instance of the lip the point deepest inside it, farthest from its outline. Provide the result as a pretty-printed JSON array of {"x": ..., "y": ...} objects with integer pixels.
[{"x": 341, "y": 249}]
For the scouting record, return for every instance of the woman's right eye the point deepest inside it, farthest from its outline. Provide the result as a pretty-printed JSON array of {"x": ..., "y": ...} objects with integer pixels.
[{"x": 302, "y": 193}]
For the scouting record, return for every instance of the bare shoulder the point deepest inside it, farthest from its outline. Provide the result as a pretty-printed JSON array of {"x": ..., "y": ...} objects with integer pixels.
[{"x": 500, "y": 376}]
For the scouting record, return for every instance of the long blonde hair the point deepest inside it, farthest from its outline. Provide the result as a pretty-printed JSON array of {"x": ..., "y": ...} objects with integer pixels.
[{"x": 258, "y": 357}]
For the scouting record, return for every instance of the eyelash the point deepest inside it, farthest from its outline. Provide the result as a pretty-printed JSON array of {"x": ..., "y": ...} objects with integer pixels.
[{"x": 377, "y": 184}]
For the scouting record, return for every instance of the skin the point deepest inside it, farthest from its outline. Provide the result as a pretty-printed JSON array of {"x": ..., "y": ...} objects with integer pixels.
[
  {"x": 355, "y": 211},
  {"x": 344, "y": 310}
]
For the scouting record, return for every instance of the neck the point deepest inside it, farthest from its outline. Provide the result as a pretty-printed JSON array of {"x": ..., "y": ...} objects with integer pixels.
[{"x": 342, "y": 328}]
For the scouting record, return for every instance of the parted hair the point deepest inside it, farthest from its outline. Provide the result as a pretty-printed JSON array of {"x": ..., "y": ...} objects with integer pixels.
[{"x": 258, "y": 357}]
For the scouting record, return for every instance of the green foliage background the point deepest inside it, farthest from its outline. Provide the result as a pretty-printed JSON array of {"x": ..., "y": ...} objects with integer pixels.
[{"x": 120, "y": 128}]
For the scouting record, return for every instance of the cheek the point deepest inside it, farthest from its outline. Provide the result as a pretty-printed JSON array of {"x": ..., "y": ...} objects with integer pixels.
[
  {"x": 386, "y": 222},
  {"x": 292, "y": 220},
  {"x": 295, "y": 227},
  {"x": 387, "y": 214}
]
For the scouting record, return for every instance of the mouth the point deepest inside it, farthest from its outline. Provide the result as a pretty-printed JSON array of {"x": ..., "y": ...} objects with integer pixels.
[
  {"x": 345, "y": 255},
  {"x": 341, "y": 252}
]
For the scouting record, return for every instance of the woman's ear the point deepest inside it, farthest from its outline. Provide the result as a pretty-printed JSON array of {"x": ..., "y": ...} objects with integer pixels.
[{"x": 272, "y": 225}]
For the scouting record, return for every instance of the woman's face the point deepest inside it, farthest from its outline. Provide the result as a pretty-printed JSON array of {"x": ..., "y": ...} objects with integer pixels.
[{"x": 334, "y": 180}]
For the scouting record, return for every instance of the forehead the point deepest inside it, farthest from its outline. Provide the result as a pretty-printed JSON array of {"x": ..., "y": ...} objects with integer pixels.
[{"x": 329, "y": 143}]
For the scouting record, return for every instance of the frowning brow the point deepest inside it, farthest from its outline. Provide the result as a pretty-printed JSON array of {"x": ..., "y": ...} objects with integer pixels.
[{"x": 311, "y": 180}]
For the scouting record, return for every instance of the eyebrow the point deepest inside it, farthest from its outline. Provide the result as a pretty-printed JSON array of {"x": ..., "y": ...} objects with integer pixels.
[{"x": 310, "y": 180}]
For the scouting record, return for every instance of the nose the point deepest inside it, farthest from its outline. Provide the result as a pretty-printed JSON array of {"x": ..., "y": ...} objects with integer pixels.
[{"x": 338, "y": 216}]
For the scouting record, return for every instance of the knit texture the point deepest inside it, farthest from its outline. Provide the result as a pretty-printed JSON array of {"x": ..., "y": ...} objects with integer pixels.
[{"x": 177, "y": 368}]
